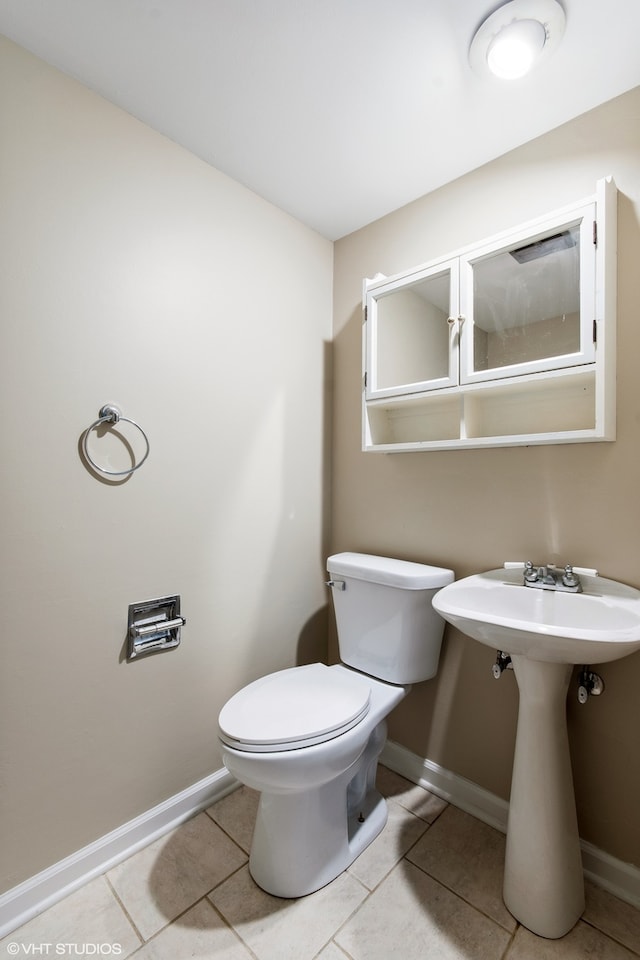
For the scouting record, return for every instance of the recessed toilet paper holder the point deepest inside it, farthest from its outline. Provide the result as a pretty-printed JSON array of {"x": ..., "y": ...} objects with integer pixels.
[{"x": 154, "y": 625}]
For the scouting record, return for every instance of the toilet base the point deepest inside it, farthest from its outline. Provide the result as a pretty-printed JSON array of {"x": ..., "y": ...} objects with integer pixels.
[{"x": 304, "y": 840}]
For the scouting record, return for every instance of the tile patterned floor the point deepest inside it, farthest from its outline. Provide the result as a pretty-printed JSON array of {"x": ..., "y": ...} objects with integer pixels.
[{"x": 428, "y": 888}]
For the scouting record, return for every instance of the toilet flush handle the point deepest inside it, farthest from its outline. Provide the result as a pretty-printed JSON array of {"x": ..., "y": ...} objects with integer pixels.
[{"x": 338, "y": 584}]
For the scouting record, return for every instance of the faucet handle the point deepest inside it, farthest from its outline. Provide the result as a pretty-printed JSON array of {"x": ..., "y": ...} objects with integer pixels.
[
  {"x": 530, "y": 572},
  {"x": 569, "y": 578}
]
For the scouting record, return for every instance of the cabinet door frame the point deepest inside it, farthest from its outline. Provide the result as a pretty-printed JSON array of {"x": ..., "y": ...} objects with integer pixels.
[
  {"x": 583, "y": 215},
  {"x": 375, "y": 291}
]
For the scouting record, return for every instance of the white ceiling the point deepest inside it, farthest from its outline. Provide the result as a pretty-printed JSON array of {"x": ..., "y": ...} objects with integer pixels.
[{"x": 337, "y": 111}]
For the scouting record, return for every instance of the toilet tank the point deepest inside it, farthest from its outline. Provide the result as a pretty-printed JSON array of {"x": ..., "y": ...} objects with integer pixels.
[{"x": 387, "y": 626}]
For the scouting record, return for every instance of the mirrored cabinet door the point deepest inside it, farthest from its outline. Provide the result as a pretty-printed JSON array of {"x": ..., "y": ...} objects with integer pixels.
[
  {"x": 412, "y": 332},
  {"x": 529, "y": 305}
]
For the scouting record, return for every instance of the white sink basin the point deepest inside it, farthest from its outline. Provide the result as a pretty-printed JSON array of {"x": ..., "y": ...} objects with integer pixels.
[{"x": 598, "y": 625}]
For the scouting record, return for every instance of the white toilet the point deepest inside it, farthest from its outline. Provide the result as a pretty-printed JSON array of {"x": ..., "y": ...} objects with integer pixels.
[{"x": 309, "y": 738}]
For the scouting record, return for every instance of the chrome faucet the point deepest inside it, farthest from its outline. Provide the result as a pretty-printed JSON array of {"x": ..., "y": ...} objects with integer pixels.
[{"x": 550, "y": 577}]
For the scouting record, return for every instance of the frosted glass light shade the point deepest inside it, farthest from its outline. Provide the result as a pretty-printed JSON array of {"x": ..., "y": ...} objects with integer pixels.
[
  {"x": 516, "y": 37},
  {"x": 513, "y": 52}
]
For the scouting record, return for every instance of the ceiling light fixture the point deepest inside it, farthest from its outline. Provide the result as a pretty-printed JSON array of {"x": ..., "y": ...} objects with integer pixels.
[{"x": 516, "y": 37}]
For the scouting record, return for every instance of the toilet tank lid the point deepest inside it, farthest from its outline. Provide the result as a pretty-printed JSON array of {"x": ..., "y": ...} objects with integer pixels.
[{"x": 392, "y": 573}]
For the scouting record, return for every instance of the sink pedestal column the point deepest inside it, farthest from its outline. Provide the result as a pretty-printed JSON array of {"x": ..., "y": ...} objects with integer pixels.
[{"x": 543, "y": 878}]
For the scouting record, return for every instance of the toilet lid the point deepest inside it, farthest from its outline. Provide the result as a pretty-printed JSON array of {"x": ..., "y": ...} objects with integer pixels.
[{"x": 294, "y": 708}]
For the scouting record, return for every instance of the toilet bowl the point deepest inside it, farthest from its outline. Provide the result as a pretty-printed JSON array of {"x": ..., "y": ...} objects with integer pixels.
[{"x": 308, "y": 738}]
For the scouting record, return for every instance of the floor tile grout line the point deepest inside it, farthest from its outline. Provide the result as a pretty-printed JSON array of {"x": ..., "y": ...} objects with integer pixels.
[
  {"x": 492, "y": 920},
  {"x": 405, "y": 855},
  {"x": 165, "y": 926},
  {"x": 371, "y": 890},
  {"x": 429, "y": 823},
  {"x": 368, "y": 894},
  {"x": 343, "y": 952},
  {"x": 439, "y": 813},
  {"x": 228, "y": 877},
  {"x": 231, "y": 927},
  {"x": 610, "y": 936},
  {"x": 393, "y": 866},
  {"x": 353, "y": 877},
  {"x": 230, "y": 836},
  {"x": 507, "y": 949},
  {"x": 176, "y": 919},
  {"x": 120, "y": 903},
  {"x": 247, "y": 853},
  {"x": 460, "y": 896},
  {"x": 416, "y": 816}
]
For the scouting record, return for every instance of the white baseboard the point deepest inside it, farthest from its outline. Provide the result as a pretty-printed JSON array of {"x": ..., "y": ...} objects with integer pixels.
[
  {"x": 30, "y": 898},
  {"x": 619, "y": 878},
  {"x": 450, "y": 786}
]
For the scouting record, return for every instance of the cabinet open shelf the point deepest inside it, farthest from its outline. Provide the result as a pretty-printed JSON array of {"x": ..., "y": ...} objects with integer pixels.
[{"x": 557, "y": 407}]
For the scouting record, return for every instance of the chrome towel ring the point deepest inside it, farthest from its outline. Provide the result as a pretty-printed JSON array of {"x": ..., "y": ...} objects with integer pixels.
[{"x": 109, "y": 413}]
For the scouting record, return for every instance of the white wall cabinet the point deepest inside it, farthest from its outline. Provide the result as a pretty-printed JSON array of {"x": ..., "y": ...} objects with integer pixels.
[{"x": 507, "y": 343}]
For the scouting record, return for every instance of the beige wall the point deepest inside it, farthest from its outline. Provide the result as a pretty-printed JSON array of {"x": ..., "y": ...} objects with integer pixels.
[
  {"x": 132, "y": 272},
  {"x": 471, "y": 510}
]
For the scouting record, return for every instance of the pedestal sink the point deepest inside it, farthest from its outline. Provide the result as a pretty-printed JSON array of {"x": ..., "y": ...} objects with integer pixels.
[{"x": 545, "y": 632}]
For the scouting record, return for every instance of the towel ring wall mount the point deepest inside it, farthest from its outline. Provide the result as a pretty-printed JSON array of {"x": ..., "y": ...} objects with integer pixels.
[{"x": 110, "y": 414}]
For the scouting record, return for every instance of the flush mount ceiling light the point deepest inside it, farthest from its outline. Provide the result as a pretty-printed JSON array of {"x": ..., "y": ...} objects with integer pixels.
[{"x": 516, "y": 37}]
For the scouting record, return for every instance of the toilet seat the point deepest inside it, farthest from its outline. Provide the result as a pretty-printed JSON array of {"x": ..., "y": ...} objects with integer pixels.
[{"x": 294, "y": 708}]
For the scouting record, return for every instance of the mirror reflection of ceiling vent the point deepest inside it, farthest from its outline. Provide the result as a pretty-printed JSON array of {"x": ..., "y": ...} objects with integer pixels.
[{"x": 544, "y": 247}]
